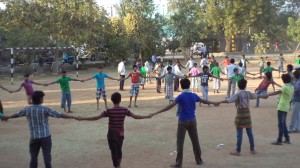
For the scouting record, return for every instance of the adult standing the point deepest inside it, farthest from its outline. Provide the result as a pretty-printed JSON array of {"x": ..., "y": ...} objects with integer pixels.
[
  {"x": 177, "y": 72},
  {"x": 149, "y": 70},
  {"x": 190, "y": 63},
  {"x": 230, "y": 73},
  {"x": 154, "y": 59},
  {"x": 122, "y": 73}
]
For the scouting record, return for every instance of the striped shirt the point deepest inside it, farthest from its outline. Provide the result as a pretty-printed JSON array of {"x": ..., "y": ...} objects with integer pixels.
[
  {"x": 37, "y": 116},
  {"x": 116, "y": 117}
]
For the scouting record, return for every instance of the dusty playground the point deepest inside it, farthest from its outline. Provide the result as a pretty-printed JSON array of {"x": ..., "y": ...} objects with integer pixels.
[{"x": 148, "y": 143}]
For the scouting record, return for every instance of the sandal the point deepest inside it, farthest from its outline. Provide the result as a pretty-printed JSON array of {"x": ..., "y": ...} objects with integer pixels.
[{"x": 235, "y": 153}]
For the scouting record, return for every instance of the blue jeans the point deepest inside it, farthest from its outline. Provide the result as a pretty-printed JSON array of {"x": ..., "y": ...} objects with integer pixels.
[
  {"x": 34, "y": 147},
  {"x": 66, "y": 97},
  {"x": 282, "y": 128},
  {"x": 239, "y": 135},
  {"x": 258, "y": 93}
]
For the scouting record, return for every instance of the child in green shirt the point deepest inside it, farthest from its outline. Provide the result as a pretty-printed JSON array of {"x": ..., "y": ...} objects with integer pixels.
[
  {"x": 283, "y": 107},
  {"x": 64, "y": 82}
]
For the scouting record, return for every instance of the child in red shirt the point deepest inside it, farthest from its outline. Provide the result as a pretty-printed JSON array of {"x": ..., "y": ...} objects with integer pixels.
[
  {"x": 263, "y": 86},
  {"x": 134, "y": 90}
]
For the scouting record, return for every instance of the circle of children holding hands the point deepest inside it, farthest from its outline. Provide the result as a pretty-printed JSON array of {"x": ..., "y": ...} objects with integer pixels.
[{"x": 37, "y": 114}]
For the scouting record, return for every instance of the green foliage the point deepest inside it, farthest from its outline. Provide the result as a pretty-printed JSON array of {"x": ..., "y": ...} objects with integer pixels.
[
  {"x": 261, "y": 40},
  {"x": 294, "y": 29},
  {"x": 186, "y": 22}
]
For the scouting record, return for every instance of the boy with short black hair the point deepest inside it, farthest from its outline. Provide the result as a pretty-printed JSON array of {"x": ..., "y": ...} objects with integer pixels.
[
  {"x": 215, "y": 71},
  {"x": 186, "y": 121},
  {"x": 135, "y": 75},
  {"x": 286, "y": 94},
  {"x": 243, "y": 117},
  {"x": 100, "y": 85},
  {"x": 40, "y": 136},
  {"x": 115, "y": 135},
  {"x": 64, "y": 83},
  {"x": 194, "y": 72}
]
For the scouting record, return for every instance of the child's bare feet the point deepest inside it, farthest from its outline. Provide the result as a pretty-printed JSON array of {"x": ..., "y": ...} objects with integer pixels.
[
  {"x": 235, "y": 153},
  {"x": 135, "y": 105},
  {"x": 129, "y": 106}
]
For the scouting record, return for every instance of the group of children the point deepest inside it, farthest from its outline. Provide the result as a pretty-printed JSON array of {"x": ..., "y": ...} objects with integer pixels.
[{"x": 186, "y": 102}]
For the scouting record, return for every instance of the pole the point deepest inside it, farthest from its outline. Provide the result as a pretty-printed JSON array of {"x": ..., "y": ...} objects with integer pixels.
[
  {"x": 77, "y": 58},
  {"x": 11, "y": 65}
]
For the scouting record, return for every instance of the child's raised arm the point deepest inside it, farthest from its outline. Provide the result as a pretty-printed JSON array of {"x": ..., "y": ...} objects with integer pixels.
[
  {"x": 168, "y": 107},
  {"x": 90, "y": 118},
  {"x": 140, "y": 116}
]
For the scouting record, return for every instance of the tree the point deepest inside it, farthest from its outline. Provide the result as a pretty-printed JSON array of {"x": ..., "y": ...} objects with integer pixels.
[
  {"x": 142, "y": 25},
  {"x": 294, "y": 29},
  {"x": 186, "y": 22},
  {"x": 231, "y": 16}
]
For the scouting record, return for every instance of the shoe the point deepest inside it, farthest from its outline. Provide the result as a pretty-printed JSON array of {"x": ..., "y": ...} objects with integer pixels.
[
  {"x": 287, "y": 142},
  {"x": 253, "y": 152},
  {"x": 235, "y": 153},
  {"x": 276, "y": 143},
  {"x": 175, "y": 165}
]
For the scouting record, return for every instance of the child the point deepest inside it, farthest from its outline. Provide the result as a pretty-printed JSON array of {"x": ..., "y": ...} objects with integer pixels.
[
  {"x": 212, "y": 62},
  {"x": 203, "y": 62},
  {"x": 243, "y": 117},
  {"x": 280, "y": 61},
  {"x": 204, "y": 77},
  {"x": 190, "y": 63},
  {"x": 149, "y": 70},
  {"x": 295, "y": 118},
  {"x": 1, "y": 107},
  {"x": 289, "y": 69},
  {"x": 186, "y": 121},
  {"x": 64, "y": 83},
  {"x": 144, "y": 73},
  {"x": 27, "y": 84},
  {"x": 115, "y": 135},
  {"x": 283, "y": 107},
  {"x": 134, "y": 85},
  {"x": 158, "y": 70},
  {"x": 215, "y": 71},
  {"x": 243, "y": 70},
  {"x": 270, "y": 69},
  {"x": 263, "y": 86},
  {"x": 100, "y": 85},
  {"x": 226, "y": 62},
  {"x": 244, "y": 62},
  {"x": 297, "y": 61},
  {"x": 40, "y": 136},
  {"x": 261, "y": 65},
  {"x": 194, "y": 72},
  {"x": 169, "y": 76}
]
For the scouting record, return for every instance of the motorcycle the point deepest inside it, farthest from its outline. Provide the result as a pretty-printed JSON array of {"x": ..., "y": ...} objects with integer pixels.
[
  {"x": 68, "y": 59},
  {"x": 46, "y": 58}
]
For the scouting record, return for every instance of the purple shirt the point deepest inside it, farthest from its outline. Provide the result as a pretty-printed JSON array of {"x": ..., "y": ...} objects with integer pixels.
[
  {"x": 28, "y": 87},
  {"x": 194, "y": 71}
]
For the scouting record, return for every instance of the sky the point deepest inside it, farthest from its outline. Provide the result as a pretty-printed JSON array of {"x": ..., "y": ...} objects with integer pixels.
[{"x": 107, "y": 4}]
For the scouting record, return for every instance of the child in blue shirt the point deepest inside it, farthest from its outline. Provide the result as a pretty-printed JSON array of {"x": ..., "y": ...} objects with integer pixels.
[{"x": 186, "y": 102}]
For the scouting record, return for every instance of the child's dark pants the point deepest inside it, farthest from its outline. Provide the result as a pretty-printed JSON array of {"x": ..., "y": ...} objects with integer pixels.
[
  {"x": 34, "y": 148},
  {"x": 115, "y": 142}
]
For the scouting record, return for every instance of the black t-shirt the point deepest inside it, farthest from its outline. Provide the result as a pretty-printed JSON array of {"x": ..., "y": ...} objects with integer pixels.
[{"x": 204, "y": 78}]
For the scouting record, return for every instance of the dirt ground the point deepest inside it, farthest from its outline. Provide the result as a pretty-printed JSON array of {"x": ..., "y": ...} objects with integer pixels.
[{"x": 148, "y": 143}]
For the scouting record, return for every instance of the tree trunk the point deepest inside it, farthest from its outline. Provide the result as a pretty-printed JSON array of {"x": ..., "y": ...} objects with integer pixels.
[{"x": 228, "y": 44}]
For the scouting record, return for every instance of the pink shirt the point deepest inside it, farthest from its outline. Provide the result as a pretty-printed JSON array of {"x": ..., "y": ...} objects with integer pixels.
[
  {"x": 28, "y": 87},
  {"x": 194, "y": 71}
]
